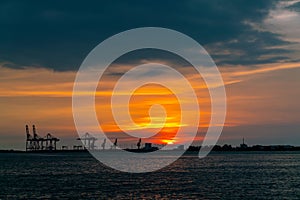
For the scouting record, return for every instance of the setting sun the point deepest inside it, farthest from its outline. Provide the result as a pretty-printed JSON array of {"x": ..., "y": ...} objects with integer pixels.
[
  {"x": 167, "y": 141},
  {"x": 154, "y": 110}
]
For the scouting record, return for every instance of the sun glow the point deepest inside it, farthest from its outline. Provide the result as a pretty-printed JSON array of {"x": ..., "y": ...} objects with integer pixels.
[
  {"x": 153, "y": 109},
  {"x": 167, "y": 141}
]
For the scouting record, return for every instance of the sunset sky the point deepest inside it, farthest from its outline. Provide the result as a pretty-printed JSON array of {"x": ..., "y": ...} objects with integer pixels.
[{"x": 255, "y": 44}]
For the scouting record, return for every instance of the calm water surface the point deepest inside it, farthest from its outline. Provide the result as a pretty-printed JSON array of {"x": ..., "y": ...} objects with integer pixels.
[{"x": 248, "y": 175}]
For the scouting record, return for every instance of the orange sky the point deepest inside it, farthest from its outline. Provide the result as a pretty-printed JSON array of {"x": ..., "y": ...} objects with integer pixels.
[{"x": 266, "y": 95}]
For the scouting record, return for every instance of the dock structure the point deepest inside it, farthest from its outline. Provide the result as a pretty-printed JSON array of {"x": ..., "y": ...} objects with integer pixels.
[
  {"x": 35, "y": 142},
  {"x": 88, "y": 141},
  {"x": 77, "y": 147},
  {"x": 50, "y": 142}
]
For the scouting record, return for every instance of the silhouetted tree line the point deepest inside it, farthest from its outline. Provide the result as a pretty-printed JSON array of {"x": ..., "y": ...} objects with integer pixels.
[{"x": 227, "y": 147}]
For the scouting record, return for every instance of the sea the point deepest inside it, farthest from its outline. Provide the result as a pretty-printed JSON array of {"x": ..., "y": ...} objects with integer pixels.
[{"x": 221, "y": 175}]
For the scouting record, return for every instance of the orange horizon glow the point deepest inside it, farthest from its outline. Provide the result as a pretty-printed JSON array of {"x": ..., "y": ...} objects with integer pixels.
[
  {"x": 43, "y": 97},
  {"x": 141, "y": 101}
]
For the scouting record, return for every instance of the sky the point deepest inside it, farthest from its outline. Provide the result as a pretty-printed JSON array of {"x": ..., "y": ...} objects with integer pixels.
[{"x": 255, "y": 45}]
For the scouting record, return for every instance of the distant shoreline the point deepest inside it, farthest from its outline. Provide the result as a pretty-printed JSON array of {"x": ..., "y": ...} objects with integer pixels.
[{"x": 216, "y": 148}]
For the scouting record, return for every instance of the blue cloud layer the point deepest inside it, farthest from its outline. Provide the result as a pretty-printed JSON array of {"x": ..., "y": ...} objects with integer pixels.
[{"x": 59, "y": 34}]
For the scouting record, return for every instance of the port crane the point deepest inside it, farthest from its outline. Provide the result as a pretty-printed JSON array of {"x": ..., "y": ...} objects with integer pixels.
[
  {"x": 35, "y": 142},
  {"x": 88, "y": 141}
]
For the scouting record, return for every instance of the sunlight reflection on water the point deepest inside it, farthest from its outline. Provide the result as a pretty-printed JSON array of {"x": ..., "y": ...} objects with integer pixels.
[{"x": 262, "y": 175}]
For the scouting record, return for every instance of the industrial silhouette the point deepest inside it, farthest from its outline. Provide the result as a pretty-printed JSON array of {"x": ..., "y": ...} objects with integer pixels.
[
  {"x": 36, "y": 143},
  {"x": 139, "y": 143},
  {"x": 243, "y": 145},
  {"x": 103, "y": 144},
  {"x": 114, "y": 146},
  {"x": 88, "y": 141}
]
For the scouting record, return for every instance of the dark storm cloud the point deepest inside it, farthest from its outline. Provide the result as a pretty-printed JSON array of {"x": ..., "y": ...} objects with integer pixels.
[
  {"x": 252, "y": 47},
  {"x": 59, "y": 34},
  {"x": 295, "y": 7}
]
